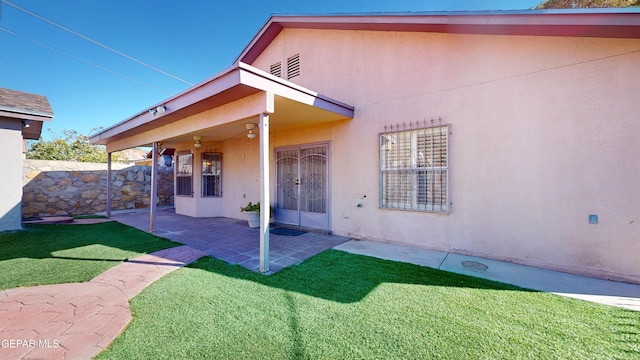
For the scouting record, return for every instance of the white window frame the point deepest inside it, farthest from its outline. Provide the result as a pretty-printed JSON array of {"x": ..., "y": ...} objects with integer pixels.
[
  {"x": 212, "y": 171},
  {"x": 184, "y": 170},
  {"x": 400, "y": 172}
]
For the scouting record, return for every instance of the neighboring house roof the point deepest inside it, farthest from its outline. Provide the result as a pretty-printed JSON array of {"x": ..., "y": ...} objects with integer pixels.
[
  {"x": 614, "y": 23},
  {"x": 32, "y": 109},
  {"x": 24, "y": 103}
]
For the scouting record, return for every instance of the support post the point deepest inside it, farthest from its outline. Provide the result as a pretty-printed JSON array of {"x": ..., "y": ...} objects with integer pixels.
[
  {"x": 109, "y": 185},
  {"x": 154, "y": 187},
  {"x": 265, "y": 201}
]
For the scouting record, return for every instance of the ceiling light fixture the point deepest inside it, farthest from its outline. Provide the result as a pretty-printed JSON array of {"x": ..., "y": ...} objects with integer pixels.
[
  {"x": 197, "y": 139},
  {"x": 250, "y": 127}
]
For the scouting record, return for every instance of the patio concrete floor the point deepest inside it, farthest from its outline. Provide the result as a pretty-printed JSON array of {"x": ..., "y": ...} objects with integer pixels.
[{"x": 231, "y": 240}]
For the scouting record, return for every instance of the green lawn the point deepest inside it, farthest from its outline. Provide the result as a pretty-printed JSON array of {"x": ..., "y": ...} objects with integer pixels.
[
  {"x": 53, "y": 254},
  {"x": 339, "y": 306}
]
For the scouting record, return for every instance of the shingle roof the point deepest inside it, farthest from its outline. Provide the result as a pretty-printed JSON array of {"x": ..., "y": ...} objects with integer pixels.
[{"x": 24, "y": 103}]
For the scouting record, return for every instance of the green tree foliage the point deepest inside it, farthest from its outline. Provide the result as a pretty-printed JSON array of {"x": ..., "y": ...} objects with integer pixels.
[
  {"x": 68, "y": 146},
  {"x": 577, "y": 4}
]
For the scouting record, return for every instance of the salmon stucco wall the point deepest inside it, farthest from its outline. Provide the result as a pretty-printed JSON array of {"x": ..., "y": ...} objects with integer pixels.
[{"x": 543, "y": 134}]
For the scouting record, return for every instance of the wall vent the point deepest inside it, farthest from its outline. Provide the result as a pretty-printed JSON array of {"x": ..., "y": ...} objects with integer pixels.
[
  {"x": 276, "y": 69},
  {"x": 293, "y": 66}
]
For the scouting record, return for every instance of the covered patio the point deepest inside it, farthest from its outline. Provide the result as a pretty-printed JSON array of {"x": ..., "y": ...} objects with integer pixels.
[
  {"x": 216, "y": 117},
  {"x": 232, "y": 240}
]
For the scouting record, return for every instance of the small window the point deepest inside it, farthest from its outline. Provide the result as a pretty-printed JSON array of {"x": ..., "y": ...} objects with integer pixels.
[
  {"x": 414, "y": 169},
  {"x": 276, "y": 69},
  {"x": 184, "y": 175},
  {"x": 293, "y": 66},
  {"x": 211, "y": 169}
]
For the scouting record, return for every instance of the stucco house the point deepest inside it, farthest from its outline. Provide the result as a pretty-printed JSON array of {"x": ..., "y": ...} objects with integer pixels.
[
  {"x": 21, "y": 117},
  {"x": 509, "y": 135}
]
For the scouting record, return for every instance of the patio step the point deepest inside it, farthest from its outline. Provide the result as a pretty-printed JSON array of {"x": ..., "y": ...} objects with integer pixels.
[{"x": 50, "y": 220}]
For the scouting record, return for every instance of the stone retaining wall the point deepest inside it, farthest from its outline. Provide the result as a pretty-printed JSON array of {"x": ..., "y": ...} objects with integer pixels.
[{"x": 64, "y": 188}]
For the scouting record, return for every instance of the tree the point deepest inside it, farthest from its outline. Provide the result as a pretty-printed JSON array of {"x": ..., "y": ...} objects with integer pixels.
[
  {"x": 69, "y": 146},
  {"x": 577, "y": 4}
]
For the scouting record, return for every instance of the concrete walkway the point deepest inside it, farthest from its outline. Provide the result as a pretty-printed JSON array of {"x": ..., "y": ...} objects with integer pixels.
[
  {"x": 580, "y": 287},
  {"x": 78, "y": 320}
]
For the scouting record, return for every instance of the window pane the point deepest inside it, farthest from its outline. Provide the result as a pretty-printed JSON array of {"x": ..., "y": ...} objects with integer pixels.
[
  {"x": 211, "y": 174},
  {"x": 183, "y": 175},
  {"x": 413, "y": 169},
  {"x": 183, "y": 185},
  {"x": 185, "y": 164}
]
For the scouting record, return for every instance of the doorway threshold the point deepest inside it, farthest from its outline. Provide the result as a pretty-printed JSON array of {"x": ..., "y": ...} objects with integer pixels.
[{"x": 300, "y": 228}]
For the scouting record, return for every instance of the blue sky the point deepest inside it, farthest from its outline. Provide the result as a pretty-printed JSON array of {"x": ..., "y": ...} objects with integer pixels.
[{"x": 189, "y": 39}]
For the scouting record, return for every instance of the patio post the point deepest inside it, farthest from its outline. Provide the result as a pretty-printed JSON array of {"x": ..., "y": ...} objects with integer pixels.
[
  {"x": 154, "y": 187},
  {"x": 109, "y": 185},
  {"x": 265, "y": 207}
]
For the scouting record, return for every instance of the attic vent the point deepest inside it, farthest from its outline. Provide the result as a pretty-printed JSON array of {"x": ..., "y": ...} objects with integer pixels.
[
  {"x": 293, "y": 66},
  {"x": 276, "y": 69}
]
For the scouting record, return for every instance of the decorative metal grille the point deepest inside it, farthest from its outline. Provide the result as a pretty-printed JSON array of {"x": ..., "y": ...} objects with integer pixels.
[
  {"x": 287, "y": 189},
  {"x": 211, "y": 174},
  {"x": 276, "y": 69},
  {"x": 414, "y": 160},
  {"x": 184, "y": 174},
  {"x": 293, "y": 66},
  {"x": 313, "y": 175}
]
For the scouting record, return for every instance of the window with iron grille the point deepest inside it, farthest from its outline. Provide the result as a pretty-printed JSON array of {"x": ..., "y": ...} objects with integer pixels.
[
  {"x": 414, "y": 165},
  {"x": 184, "y": 175},
  {"x": 276, "y": 69},
  {"x": 211, "y": 178},
  {"x": 293, "y": 66}
]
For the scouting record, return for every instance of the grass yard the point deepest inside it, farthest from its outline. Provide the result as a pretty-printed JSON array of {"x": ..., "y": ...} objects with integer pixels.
[
  {"x": 53, "y": 254},
  {"x": 338, "y": 305}
]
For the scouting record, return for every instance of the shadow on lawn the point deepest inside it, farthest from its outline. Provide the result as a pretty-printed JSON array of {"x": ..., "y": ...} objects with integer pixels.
[
  {"x": 628, "y": 332},
  {"x": 344, "y": 277},
  {"x": 44, "y": 241}
]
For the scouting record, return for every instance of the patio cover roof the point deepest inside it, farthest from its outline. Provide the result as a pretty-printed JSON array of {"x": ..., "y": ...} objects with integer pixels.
[{"x": 254, "y": 92}]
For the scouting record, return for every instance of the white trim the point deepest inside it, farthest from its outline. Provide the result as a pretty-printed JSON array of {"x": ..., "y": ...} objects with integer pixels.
[{"x": 265, "y": 201}]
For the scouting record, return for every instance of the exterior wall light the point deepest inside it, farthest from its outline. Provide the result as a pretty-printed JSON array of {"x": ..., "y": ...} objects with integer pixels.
[
  {"x": 250, "y": 127},
  {"x": 158, "y": 110}
]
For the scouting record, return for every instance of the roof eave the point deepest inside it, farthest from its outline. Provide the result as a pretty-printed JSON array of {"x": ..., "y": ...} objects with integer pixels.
[
  {"x": 241, "y": 78},
  {"x": 591, "y": 23}
]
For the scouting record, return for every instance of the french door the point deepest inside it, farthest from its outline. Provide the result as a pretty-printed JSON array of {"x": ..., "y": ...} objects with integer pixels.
[{"x": 302, "y": 189}]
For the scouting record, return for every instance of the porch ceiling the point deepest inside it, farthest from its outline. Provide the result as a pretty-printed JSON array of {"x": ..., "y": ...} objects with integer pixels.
[
  {"x": 293, "y": 106},
  {"x": 289, "y": 114}
]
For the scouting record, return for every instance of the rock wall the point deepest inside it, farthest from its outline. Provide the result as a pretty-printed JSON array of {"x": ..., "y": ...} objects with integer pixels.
[{"x": 64, "y": 188}]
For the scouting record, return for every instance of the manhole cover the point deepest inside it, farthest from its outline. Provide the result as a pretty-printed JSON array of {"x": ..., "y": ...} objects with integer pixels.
[{"x": 474, "y": 265}]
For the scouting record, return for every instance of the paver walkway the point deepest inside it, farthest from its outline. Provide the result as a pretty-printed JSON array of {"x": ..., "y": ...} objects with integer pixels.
[{"x": 78, "y": 320}]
